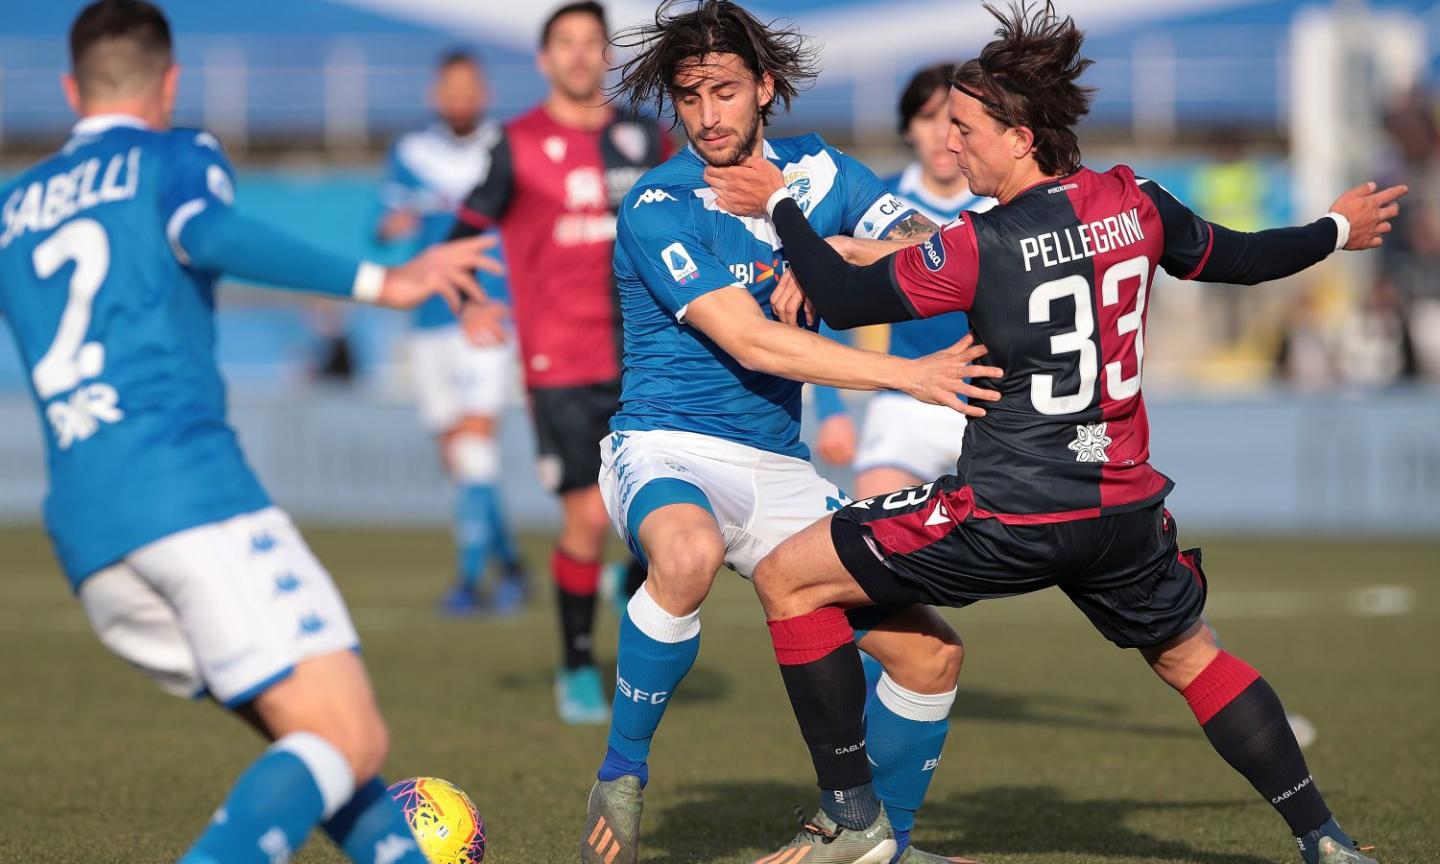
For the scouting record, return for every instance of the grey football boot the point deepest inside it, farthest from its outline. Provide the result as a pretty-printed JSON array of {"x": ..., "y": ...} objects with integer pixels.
[
  {"x": 821, "y": 841},
  {"x": 612, "y": 822},
  {"x": 911, "y": 855}
]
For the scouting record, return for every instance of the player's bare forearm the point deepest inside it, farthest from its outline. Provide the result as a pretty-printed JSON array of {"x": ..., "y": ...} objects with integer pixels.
[{"x": 911, "y": 230}]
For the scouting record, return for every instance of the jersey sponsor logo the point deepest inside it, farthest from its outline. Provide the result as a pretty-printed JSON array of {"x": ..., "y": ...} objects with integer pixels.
[
  {"x": 678, "y": 261},
  {"x": 555, "y": 148},
  {"x": 79, "y": 417},
  {"x": 44, "y": 204},
  {"x": 619, "y": 181},
  {"x": 582, "y": 229},
  {"x": 756, "y": 272},
  {"x": 652, "y": 196},
  {"x": 933, "y": 251},
  {"x": 584, "y": 189},
  {"x": 1083, "y": 241},
  {"x": 1090, "y": 443}
]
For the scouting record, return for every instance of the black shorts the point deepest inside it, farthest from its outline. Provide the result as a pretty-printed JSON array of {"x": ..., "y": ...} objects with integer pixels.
[
  {"x": 569, "y": 423},
  {"x": 925, "y": 545}
]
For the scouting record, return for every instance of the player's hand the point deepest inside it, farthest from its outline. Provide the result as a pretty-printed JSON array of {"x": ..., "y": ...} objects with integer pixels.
[
  {"x": 835, "y": 441},
  {"x": 937, "y": 378},
  {"x": 447, "y": 269},
  {"x": 484, "y": 323},
  {"x": 398, "y": 225},
  {"x": 743, "y": 189},
  {"x": 1369, "y": 211},
  {"x": 788, "y": 302}
]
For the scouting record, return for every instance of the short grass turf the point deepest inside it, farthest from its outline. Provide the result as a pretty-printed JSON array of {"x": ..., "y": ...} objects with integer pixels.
[{"x": 1063, "y": 749}]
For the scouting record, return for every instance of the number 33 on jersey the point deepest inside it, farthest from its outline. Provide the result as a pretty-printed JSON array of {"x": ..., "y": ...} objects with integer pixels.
[{"x": 1056, "y": 284}]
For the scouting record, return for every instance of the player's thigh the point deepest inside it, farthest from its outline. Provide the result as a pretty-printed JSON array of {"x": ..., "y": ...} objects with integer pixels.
[
  {"x": 908, "y": 437},
  {"x": 433, "y": 362},
  {"x": 882, "y": 481},
  {"x": 251, "y": 599},
  {"x": 1142, "y": 591},
  {"x": 805, "y": 573},
  {"x": 135, "y": 623},
  {"x": 484, "y": 377},
  {"x": 918, "y": 648}
]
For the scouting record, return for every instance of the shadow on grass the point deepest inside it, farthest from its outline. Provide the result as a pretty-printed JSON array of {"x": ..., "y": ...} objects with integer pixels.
[
  {"x": 725, "y": 822},
  {"x": 1055, "y": 710}
]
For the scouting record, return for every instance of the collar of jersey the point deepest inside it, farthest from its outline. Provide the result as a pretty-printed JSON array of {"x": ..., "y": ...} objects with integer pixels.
[
  {"x": 97, "y": 123},
  {"x": 1048, "y": 182}
]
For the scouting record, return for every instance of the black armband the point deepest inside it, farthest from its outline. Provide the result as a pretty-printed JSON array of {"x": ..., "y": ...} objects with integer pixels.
[
  {"x": 844, "y": 295},
  {"x": 1241, "y": 258}
]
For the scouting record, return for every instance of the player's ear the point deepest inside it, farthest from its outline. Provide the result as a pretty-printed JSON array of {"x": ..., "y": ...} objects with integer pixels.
[
  {"x": 767, "y": 89},
  {"x": 170, "y": 88},
  {"x": 72, "y": 91},
  {"x": 1024, "y": 141}
]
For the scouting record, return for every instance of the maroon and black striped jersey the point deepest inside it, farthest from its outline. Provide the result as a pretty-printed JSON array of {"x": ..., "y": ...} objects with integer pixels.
[{"x": 1056, "y": 283}]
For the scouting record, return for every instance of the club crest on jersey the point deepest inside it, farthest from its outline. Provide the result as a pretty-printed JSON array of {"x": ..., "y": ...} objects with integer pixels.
[
  {"x": 1090, "y": 443},
  {"x": 798, "y": 181},
  {"x": 681, "y": 265},
  {"x": 554, "y": 147},
  {"x": 933, "y": 251},
  {"x": 630, "y": 139}
]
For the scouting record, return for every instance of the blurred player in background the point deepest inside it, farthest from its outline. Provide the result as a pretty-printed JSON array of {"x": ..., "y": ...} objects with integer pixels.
[
  {"x": 556, "y": 175},
  {"x": 1054, "y": 486},
  {"x": 109, "y": 256},
  {"x": 705, "y": 466},
  {"x": 905, "y": 440},
  {"x": 462, "y": 387}
]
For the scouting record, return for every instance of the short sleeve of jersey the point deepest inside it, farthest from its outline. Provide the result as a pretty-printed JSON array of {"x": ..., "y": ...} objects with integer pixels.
[
  {"x": 871, "y": 210},
  {"x": 669, "y": 256},
  {"x": 939, "y": 275},
  {"x": 401, "y": 183},
  {"x": 1188, "y": 238},
  {"x": 488, "y": 201},
  {"x": 197, "y": 177}
]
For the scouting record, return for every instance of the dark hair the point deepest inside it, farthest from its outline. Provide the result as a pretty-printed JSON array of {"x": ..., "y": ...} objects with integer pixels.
[
  {"x": 136, "y": 22},
  {"x": 921, "y": 87},
  {"x": 588, "y": 7},
  {"x": 458, "y": 57},
  {"x": 712, "y": 27},
  {"x": 1026, "y": 77}
]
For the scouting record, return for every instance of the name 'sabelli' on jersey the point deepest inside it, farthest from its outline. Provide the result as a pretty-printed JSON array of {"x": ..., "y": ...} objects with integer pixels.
[{"x": 1085, "y": 240}]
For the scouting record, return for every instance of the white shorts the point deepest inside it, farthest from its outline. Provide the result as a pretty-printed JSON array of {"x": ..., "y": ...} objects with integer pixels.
[
  {"x": 913, "y": 436},
  {"x": 229, "y": 608},
  {"x": 454, "y": 379},
  {"x": 759, "y": 498}
]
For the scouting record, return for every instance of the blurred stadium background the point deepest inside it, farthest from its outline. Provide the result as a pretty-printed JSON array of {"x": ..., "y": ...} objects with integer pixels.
[
  {"x": 1299, "y": 420},
  {"x": 1255, "y": 113}
]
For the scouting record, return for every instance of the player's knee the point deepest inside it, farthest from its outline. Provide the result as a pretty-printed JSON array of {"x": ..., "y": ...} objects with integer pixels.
[
  {"x": 930, "y": 665},
  {"x": 363, "y": 739},
  {"x": 682, "y": 570}
]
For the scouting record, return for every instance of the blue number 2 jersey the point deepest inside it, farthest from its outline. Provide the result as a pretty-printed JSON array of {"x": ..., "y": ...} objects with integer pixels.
[
  {"x": 119, "y": 337},
  {"x": 674, "y": 244}
]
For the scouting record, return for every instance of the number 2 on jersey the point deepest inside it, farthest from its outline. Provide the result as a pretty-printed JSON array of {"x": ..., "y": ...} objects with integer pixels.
[
  {"x": 1081, "y": 339},
  {"x": 71, "y": 360}
]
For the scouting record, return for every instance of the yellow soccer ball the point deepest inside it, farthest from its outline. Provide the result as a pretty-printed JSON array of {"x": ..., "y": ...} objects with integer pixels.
[{"x": 446, "y": 824}]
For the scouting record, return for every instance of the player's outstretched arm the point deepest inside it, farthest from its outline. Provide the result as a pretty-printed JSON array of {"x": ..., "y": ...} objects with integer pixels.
[
  {"x": 217, "y": 239},
  {"x": 1196, "y": 249},
  {"x": 735, "y": 322}
]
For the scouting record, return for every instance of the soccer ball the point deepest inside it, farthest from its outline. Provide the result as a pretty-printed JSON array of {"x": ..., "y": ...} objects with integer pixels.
[{"x": 446, "y": 824}]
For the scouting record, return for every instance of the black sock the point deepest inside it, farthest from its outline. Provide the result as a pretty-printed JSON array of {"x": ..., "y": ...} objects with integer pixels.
[
  {"x": 826, "y": 683},
  {"x": 1246, "y": 724},
  {"x": 577, "y": 624},
  {"x": 634, "y": 577}
]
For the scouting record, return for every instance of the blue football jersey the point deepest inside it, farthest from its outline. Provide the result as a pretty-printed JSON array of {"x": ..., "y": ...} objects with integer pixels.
[
  {"x": 928, "y": 335},
  {"x": 674, "y": 244},
  {"x": 119, "y": 338},
  {"x": 430, "y": 172}
]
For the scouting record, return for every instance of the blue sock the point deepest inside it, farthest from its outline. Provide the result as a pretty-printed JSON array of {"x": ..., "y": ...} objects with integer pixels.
[
  {"x": 474, "y": 532},
  {"x": 656, "y": 651},
  {"x": 298, "y": 781},
  {"x": 371, "y": 829},
  {"x": 502, "y": 545},
  {"x": 904, "y": 734}
]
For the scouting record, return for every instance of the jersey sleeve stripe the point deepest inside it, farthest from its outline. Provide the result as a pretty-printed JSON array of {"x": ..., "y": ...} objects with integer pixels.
[
  {"x": 176, "y": 225},
  {"x": 1205, "y": 258},
  {"x": 474, "y": 219}
]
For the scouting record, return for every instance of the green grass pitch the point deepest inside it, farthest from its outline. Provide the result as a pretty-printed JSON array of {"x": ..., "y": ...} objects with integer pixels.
[{"x": 1063, "y": 749}]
